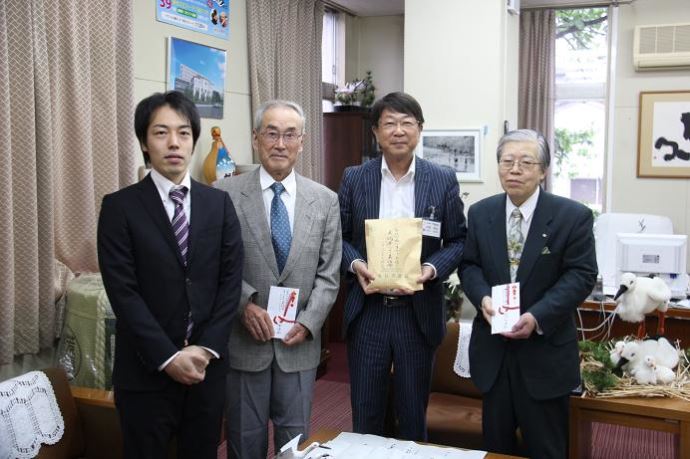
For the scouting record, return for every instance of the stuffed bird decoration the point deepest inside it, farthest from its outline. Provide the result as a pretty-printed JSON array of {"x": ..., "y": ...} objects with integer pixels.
[
  {"x": 638, "y": 296},
  {"x": 648, "y": 362}
]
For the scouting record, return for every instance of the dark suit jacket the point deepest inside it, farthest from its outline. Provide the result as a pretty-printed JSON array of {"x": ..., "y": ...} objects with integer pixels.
[
  {"x": 435, "y": 186},
  {"x": 150, "y": 289},
  {"x": 557, "y": 271}
]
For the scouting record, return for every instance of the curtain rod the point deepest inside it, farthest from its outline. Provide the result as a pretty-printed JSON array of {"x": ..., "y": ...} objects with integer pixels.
[
  {"x": 339, "y": 8},
  {"x": 573, "y": 5}
]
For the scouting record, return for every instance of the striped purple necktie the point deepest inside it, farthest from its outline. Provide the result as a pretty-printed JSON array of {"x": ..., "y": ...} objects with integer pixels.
[
  {"x": 181, "y": 229},
  {"x": 179, "y": 222}
]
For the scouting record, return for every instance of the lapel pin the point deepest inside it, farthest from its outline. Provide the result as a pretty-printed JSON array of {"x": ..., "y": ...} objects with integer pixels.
[{"x": 543, "y": 235}]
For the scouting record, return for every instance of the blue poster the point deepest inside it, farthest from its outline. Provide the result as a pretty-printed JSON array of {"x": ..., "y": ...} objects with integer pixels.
[{"x": 211, "y": 17}]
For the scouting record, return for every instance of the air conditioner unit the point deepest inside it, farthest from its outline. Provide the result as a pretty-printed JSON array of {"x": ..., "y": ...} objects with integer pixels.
[{"x": 662, "y": 47}]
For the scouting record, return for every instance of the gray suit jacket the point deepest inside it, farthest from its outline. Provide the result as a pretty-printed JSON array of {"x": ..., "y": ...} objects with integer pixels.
[{"x": 312, "y": 267}]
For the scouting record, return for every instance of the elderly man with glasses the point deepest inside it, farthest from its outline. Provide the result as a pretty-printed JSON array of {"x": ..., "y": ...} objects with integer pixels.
[
  {"x": 397, "y": 330},
  {"x": 291, "y": 233},
  {"x": 545, "y": 243}
]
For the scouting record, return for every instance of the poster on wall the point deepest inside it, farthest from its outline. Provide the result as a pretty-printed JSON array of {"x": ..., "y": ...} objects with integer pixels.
[
  {"x": 206, "y": 16},
  {"x": 198, "y": 71},
  {"x": 663, "y": 148}
]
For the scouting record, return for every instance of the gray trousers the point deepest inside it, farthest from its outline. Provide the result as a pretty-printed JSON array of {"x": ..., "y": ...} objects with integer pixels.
[{"x": 255, "y": 397}]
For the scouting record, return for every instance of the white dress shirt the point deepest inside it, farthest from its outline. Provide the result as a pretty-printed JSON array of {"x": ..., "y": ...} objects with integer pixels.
[
  {"x": 397, "y": 196},
  {"x": 163, "y": 185},
  {"x": 526, "y": 209},
  {"x": 289, "y": 196}
]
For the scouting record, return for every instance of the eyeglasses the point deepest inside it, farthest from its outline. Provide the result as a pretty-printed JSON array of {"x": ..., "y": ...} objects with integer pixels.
[
  {"x": 523, "y": 164},
  {"x": 289, "y": 138},
  {"x": 405, "y": 125}
]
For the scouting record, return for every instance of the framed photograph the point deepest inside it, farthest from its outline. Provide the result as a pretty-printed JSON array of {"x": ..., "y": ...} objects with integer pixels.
[
  {"x": 460, "y": 149},
  {"x": 663, "y": 143},
  {"x": 198, "y": 71}
]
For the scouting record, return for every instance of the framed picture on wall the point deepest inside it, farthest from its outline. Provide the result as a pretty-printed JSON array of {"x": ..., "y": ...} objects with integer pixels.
[
  {"x": 460, "y": 149},
  {"x": 663, "y": 144},
  {"x": 198, "y": 71}
]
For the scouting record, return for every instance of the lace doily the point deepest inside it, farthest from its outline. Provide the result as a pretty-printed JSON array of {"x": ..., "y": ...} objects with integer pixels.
[
  {"x": 462, "y": 358},
  {"x": 29, "y": 415}
]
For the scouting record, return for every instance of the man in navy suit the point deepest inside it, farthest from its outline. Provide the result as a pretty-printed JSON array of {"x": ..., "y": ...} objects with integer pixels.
[
  {"x": 170, "y": 252},
  {"x": 545, "y": 243},
  {"x": 397, "y": 330}
]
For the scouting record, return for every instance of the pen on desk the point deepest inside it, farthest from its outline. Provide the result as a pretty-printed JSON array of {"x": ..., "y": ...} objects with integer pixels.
[{"x": 324, "y": 447}]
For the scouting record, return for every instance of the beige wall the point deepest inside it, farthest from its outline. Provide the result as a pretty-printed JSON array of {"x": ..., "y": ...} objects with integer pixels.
[
  {"x": 460, "y": 62},
  {"x": 150, "y": 60},
  {"x": 669, "y": 197},
  {"x": 376, "y": 44}
]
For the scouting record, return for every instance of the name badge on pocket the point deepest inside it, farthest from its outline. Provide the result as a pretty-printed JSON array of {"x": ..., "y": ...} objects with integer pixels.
[{"x": 431, "y": 228}]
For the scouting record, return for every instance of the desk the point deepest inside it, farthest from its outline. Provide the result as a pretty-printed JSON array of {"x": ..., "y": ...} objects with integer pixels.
[
  {"x": 324, "y": 435},
  {"x": 660, "y": 414},
  {"x": 677, "y": 322}
]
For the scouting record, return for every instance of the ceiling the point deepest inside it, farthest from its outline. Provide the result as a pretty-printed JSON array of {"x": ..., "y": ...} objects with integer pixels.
[{"x": 397, "y": 7}]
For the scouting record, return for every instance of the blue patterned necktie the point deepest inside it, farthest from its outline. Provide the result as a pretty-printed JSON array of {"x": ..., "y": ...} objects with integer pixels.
[
  {"x": 516, "y": 241},
  {"x": 181, "y": 230},
  {"x": 280, "y": 226}
]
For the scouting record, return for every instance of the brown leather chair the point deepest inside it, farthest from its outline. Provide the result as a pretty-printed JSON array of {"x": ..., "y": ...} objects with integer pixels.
[
  {"x": 454, "y": 414},
  {"x": 92, "y": 428}
]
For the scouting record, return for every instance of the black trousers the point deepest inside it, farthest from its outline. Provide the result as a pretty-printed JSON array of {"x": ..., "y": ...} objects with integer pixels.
[
  {"x": 543, "y": 423},
  {"x": 191, "y": 414}
]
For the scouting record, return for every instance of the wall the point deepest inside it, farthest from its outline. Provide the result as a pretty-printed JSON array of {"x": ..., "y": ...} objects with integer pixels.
[
  {"x": 460, "y": 62},
  {"x": 376, "y": 43},
  {"x": 669, "y": 197},
  {"x": 150, "y": 60}
]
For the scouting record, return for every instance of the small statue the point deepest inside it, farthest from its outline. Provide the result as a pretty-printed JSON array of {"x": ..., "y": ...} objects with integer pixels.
[{"x": 218, "y": 163}]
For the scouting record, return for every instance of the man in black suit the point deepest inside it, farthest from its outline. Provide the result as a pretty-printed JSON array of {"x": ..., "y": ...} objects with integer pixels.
[
  {"x": 545, "y": 243},
  {"x": 170, "y": 252}
]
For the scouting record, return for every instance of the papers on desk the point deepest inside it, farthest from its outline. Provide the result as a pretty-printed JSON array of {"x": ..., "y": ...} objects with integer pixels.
[{"x": 357, "y": 446}]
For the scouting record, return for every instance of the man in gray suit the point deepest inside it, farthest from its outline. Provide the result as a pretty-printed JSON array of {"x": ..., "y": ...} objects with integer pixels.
[{"x": 291, "y": 233}]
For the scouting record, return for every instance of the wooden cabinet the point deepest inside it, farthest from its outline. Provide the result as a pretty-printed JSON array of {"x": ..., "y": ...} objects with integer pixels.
[{"x": 347, "y": 141}]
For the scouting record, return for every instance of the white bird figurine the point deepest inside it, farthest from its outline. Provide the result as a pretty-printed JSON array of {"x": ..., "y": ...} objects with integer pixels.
[
  {"x": 664, "y": 375},
  {"x": 638, "y": 296},
  {"x": 644, "y": 371}
]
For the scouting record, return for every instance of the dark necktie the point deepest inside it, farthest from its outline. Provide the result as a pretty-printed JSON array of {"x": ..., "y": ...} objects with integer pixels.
[
  {"x": 179, "y": 221},
  {"x": 281, "y": 235},
  {"x": 181, "y": 230}
]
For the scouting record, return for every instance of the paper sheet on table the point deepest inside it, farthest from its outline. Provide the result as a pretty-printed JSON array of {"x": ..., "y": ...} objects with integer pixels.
[
  {"x": 394, "y": 251},
  {"x": 505, "y": 300},
  {"x": 282, "y": 308},
  {"x": 356, "y": 446}
]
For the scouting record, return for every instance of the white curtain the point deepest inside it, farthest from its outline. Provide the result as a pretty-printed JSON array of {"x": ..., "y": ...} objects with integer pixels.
[
  {"x": 66, "y": 92},
  {"x": 285, "y": 63}
]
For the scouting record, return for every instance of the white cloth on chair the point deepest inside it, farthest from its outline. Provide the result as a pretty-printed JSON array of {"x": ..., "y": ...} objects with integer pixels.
[
  {"x": 29, "y": 415},
  {"x": 462, "y": 358}
]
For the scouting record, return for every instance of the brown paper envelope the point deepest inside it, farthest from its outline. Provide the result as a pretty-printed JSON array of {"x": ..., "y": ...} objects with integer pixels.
[{"x": 394, "y": 251}]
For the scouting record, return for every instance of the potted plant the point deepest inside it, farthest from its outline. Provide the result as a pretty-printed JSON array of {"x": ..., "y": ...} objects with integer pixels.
[{"x": 356, "y": 94}]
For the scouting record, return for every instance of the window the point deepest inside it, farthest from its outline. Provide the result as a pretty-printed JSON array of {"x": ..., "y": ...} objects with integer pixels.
[
  {"x": 332, "y": 56},
  {"x": 577, "y": 166}
]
